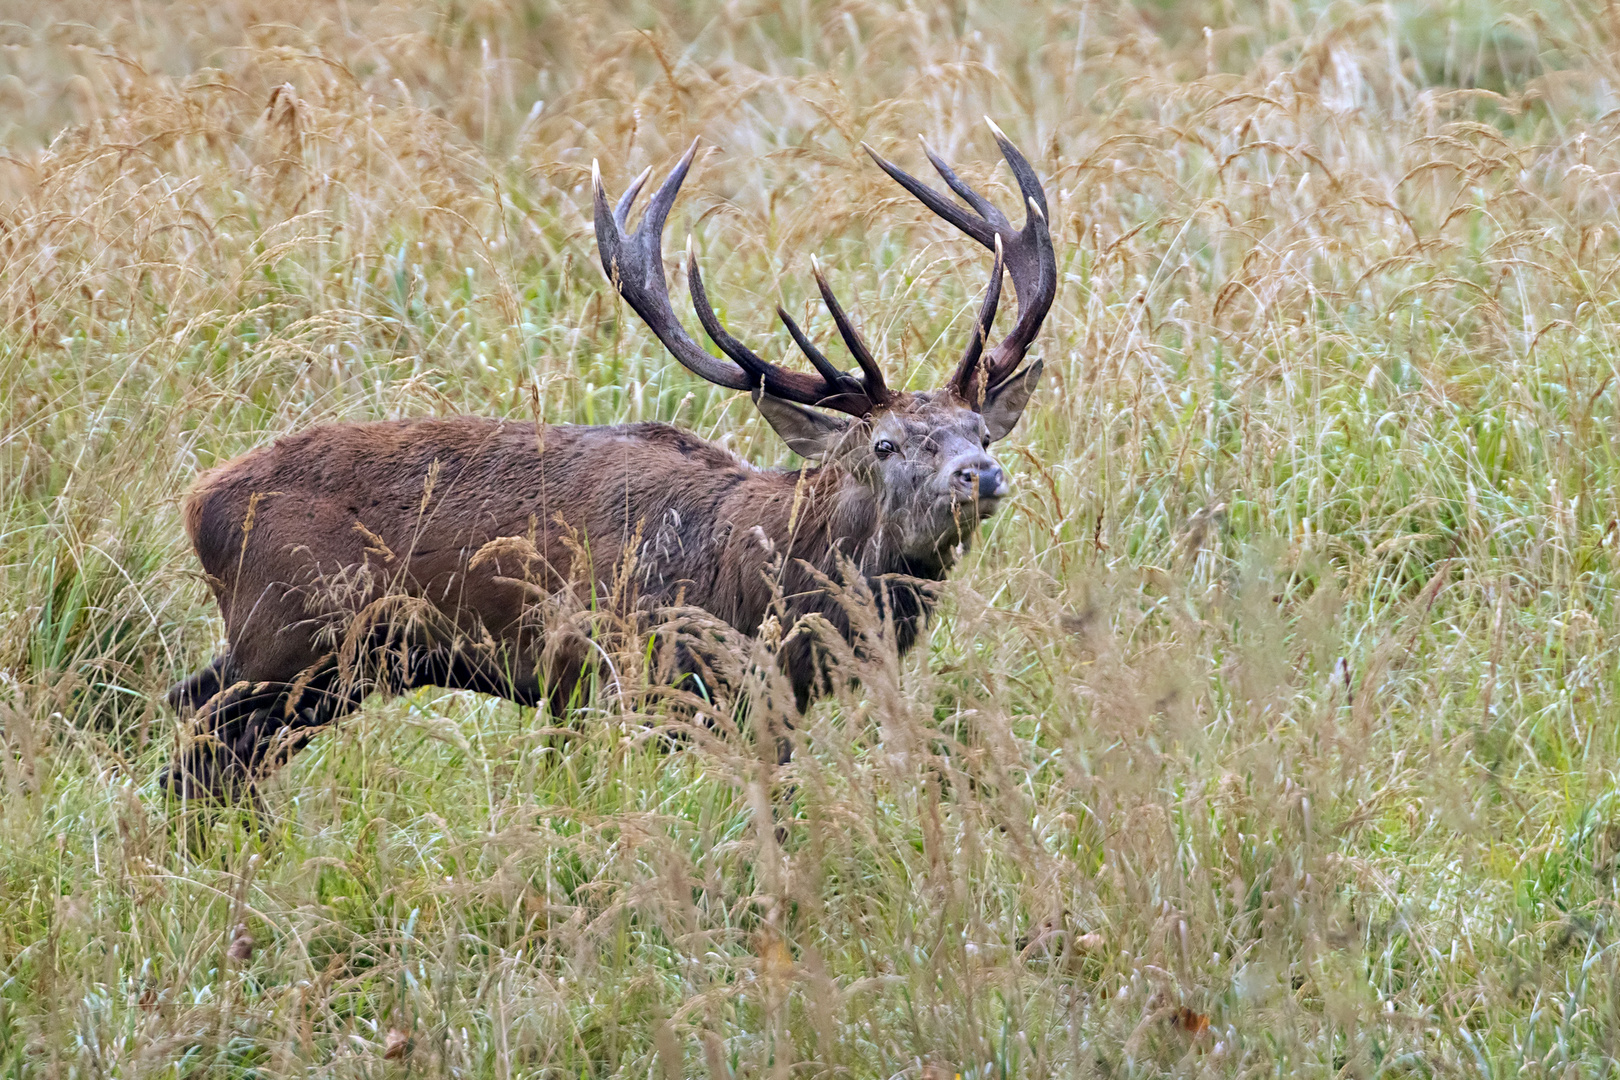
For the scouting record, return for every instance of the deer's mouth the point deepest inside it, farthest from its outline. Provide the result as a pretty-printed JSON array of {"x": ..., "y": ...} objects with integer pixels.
[{"x": 975, "y": 508}]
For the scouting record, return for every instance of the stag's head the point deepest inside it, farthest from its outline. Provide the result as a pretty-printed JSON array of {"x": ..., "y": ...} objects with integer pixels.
[{"x": 925, "y": 455}]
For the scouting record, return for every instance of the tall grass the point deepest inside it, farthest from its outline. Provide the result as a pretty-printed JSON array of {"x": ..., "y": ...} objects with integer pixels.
[{"x": 1270, "y": 730}]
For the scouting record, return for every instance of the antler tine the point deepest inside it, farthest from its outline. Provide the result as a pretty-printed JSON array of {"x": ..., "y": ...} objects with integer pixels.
[
  {"x": 818, "y": 359},
  {"x": 872, "y": 374},
  {"x": 1027, "y": 252},
  {"x": 1028, "y": 183},
  {"x": 977, "y": 228},
  {"x": 622, "y": 209},
  {"x": 983, "y": 206},
  {"x": 965, "y": 381},
  {"x": 794, "y": 385}
]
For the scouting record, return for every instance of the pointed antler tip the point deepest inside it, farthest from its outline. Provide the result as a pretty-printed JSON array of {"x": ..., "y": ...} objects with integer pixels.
[
  {"x": 996, "y": 130},
  {"x": 1034, "y": 210}
]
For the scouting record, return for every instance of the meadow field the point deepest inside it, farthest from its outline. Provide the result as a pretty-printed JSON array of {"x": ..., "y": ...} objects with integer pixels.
[{"x": 1272, "y": 728}]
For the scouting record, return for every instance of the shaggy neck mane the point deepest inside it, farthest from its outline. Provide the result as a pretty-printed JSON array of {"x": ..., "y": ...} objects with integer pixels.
[{"x": 839, "y": 517}]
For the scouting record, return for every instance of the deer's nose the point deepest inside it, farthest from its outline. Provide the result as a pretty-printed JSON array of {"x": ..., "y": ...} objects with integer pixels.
[{"x": 978, "y": 477}]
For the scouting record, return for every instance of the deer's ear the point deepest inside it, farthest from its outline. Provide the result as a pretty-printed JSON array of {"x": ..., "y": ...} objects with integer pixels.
[
  {"x": 1005, "y": 404},
  {"x": 807, "y": 432}
]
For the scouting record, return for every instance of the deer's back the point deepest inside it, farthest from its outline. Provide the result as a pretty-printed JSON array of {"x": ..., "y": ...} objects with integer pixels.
[{"x": 322, "y": 522}]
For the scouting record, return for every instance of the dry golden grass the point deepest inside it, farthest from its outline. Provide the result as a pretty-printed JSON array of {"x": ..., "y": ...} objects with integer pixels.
[{"x": 1272, "y": 730}]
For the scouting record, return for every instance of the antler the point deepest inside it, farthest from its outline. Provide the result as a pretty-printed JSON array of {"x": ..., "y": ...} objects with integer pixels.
[
  {"x": 1027, "y": 252},
  {"x": 635, "y": 264}
]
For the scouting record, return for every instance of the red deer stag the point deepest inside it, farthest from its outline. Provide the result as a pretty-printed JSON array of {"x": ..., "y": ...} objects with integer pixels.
[{"x": 353, "y": 558}]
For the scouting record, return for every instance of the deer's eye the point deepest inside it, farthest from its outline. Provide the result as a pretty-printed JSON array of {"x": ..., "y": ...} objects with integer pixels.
[{"x": 883, "y": 448}]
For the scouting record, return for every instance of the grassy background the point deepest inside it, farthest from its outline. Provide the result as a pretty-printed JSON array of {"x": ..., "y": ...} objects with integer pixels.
[{"x": 1281, "y": 698}]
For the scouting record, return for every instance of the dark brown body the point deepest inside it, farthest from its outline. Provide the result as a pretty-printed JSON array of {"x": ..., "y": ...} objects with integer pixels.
[{"x": 356, "y": 557}]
